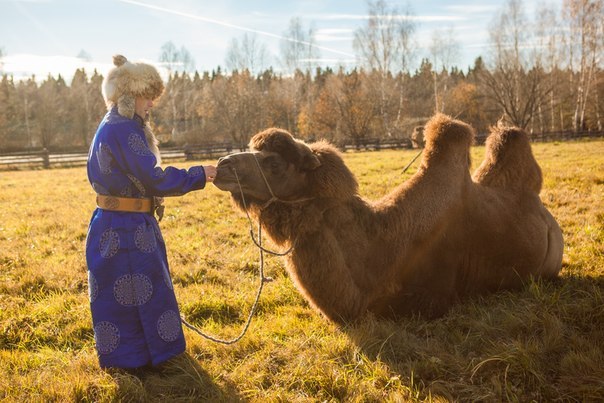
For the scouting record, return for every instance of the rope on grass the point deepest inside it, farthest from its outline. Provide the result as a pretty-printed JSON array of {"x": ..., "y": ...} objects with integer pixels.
[{"x": 263, "y": 279}]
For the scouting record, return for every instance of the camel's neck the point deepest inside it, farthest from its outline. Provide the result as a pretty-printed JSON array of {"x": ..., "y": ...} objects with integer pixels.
[
  {"x": 330, "y": 246},
  {"x": 286, "y": 222}
]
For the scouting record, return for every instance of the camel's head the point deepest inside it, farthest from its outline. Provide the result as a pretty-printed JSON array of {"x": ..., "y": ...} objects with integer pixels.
[{"x": 282, "y": 167}]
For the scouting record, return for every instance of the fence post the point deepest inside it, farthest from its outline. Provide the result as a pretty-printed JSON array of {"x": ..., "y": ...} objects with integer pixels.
[
  {"x": 45, "y": 158},
  {"x": 188, "y": 153}
]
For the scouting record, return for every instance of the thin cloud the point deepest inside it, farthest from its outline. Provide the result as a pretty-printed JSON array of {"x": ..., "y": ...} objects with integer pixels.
[
  {"x": 26, "y": 1},
  {"x": 360, "y": 17},
  {"x": 473, "y": 9},
  {"x": 439, "y": 18},
  {"x": 334, "y": 17},
  {"x": 334, "y": 34},
  {"x": 334, "y": 31},
  {"x": 331, "y": 38},
  {"x": 230, "y": 25}
]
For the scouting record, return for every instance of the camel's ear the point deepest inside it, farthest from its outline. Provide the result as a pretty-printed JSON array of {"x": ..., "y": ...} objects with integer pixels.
[
  {"x": 310, "y": 161},
  {"x": 273, "y": 139},
  {"x": 292, "y": 150}
]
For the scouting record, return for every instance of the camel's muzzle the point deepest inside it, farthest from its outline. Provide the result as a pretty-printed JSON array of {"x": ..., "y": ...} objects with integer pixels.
[{"x": 226, "y": 178}]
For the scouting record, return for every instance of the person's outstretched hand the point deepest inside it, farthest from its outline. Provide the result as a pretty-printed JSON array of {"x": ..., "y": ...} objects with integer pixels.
[{"x": 210, "y": 172}]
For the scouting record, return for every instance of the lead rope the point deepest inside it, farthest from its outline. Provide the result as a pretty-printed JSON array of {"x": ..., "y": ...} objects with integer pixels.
[
  {"x": 413, "y": 160},
  {"x": 262, "y": 250},
  {"x": 263, "y": 278}
]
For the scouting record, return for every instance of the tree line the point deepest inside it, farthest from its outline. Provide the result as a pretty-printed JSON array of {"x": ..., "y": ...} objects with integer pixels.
[{"x": 544, "y": 79}]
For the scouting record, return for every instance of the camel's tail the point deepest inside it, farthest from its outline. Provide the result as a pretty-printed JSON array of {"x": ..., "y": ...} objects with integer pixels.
[{"x": 509, "y": 161}]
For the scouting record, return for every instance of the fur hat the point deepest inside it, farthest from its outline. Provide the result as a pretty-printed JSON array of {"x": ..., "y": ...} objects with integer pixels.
[{"x": 127, "y": 81}]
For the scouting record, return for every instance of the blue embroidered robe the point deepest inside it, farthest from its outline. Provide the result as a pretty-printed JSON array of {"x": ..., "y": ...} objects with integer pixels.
[{"x": 134, "y": 311}]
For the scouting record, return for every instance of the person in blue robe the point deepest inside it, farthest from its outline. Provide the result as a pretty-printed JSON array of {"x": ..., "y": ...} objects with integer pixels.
[{"x": 135, "y": 314}]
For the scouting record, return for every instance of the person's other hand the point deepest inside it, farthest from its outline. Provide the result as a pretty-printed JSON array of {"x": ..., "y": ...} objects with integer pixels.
[{"x": 210, "y": 172}]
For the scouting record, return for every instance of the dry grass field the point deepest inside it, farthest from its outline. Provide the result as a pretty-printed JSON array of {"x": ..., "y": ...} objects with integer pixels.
[{"x": 542, "y": 343}]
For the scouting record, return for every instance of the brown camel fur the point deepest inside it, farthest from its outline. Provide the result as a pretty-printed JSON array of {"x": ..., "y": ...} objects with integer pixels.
[{"x": 440, "y": 236}]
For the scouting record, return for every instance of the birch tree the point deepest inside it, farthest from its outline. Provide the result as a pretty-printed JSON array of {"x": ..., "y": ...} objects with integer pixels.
[
  {"x": 444, "y": 51},
  {"x": 174, "y": 59},
  {"x": 585, "y": 19},
  {"x": 248, "y": 53},
  {"x": 386, "y": 45},
  {"x": 514, "y": 82},
  {"x": 298, "y": 48},
  {"x": 178, "y": 62},
  {"x": 550, "y": 40}
]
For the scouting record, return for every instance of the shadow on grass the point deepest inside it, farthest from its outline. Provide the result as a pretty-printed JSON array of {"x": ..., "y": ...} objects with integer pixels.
[
  {"x": 540, "y": 343},
  {"x": 179, "y": 379}
]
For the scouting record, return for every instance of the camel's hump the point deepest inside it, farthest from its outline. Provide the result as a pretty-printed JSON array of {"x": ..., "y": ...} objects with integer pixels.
[
  {"x": 442, "y": 129},
  {"x": 509, "y": 161}
]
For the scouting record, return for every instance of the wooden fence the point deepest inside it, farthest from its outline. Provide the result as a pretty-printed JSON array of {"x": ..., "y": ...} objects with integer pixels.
[
  {"x": 45, "y": 159},
  {"x": 376, "y": 144}
]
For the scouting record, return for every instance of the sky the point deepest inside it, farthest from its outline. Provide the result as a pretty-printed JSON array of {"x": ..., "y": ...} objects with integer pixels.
[{"x": 44, "y": 37}]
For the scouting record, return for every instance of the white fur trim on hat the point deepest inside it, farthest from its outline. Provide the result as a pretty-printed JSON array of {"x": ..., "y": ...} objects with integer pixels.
[{"x": 127, "y": 81}]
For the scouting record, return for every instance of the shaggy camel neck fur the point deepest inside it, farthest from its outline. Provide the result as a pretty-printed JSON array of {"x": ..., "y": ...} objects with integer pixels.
[{"x": 438, "y": 237}]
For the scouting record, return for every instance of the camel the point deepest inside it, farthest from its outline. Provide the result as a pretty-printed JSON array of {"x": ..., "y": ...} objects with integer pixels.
[{"x": 436, "y": 239}]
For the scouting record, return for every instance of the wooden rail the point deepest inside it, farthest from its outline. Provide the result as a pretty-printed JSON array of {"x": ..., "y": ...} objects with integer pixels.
[
  {"x": 196, "y": 152},
  {"x": 45, "y": 159},
  {"x": 210, "y": 150},
  {"x": 375, "y": 144}
]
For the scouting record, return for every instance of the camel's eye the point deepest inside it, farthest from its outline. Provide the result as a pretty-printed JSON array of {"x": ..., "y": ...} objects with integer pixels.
[{"x": 273, "y": 164}]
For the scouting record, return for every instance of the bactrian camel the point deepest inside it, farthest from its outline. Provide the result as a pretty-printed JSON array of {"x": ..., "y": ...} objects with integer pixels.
[{"x": 440, "y": 236}]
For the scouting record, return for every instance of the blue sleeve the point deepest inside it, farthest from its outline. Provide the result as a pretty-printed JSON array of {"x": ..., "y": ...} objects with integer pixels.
[{"x": 132, "y": 154}]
